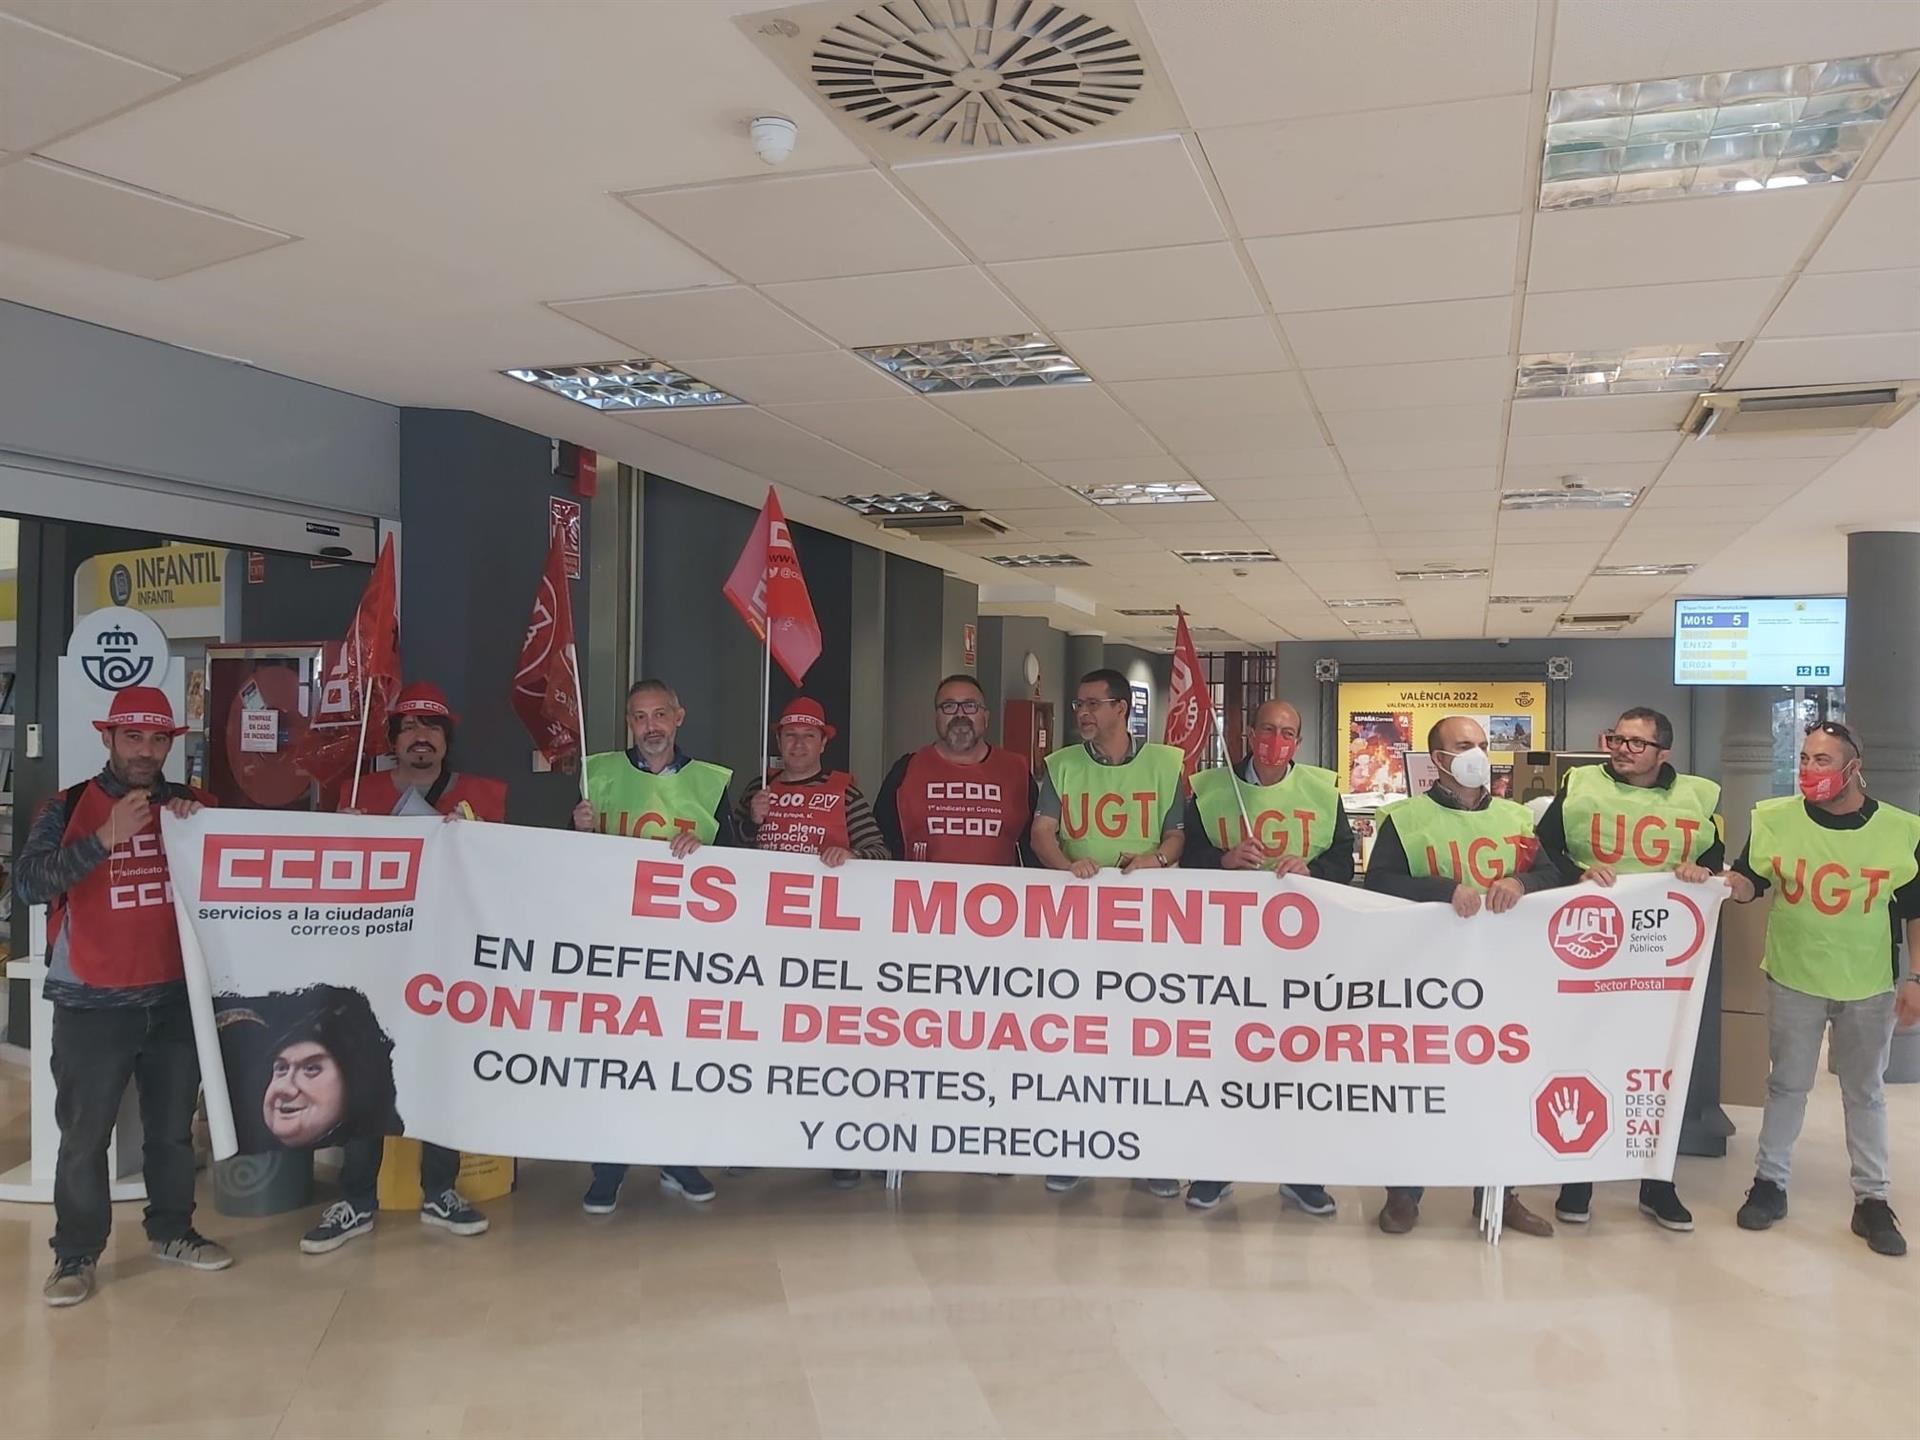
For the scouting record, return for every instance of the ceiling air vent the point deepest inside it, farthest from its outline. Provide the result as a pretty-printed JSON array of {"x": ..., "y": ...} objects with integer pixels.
[
  {"x": 946, "y": 525},
  {"x": 914, "y": 78},
  {"x": 1804, "y": 411},
  {"x": 1597, "y": 622}
]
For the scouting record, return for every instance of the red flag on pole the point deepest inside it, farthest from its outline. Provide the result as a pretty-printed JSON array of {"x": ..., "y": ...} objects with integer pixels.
[
  {"x": 546, "y": 680},
  {"x": 1190, "y": 706},
  {"x": 770, "y": 593},
  {"x": 361, "y": 678}
]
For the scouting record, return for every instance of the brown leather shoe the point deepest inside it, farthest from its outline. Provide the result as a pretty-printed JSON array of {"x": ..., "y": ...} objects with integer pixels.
[
  {"x": 1515, "y": 1216},
  {"x": 1400, "y": 1214}
]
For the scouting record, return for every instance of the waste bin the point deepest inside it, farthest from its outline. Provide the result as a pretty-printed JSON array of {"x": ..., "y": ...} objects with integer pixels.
[{"x": 269, "y": 1184}]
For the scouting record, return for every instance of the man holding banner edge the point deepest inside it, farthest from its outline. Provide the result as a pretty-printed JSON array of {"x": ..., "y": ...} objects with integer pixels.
[{"x": 1633, "y": 815}]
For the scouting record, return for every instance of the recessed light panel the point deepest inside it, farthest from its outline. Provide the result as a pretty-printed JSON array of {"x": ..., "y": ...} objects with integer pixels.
[
  {"x": 1530, "y": 600},
  {"x": 1157, "y": 492},
  {"x": 1714, "y": 134},
  {"x": 1147, "y": 614},
  {"x": 1568, "y": 497},
  {"x": 1036, "y": 562},
  {"x": 1381, "y": 603},
  {"x": 1228, "y": 557},
  {"x": 923, "y": 502},
  {"x": 992, "y": 362},
  {"x": 1441, "y": 572},
  {"x": 1644, "y": 371},
  {"x": 1617, "y": 572},
  {"x": 626, "y": 385}
]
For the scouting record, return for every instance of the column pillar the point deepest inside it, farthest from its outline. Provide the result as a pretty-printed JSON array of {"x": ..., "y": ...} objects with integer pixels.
[
  {"x": 1883, "y": 692},
  {"x": 1737, "y": 988}
]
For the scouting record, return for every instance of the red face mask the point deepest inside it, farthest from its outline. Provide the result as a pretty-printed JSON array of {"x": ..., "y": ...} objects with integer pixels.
[
  {"x": 1821, "y": 786},
  {"x": 1273, "y": 751}
]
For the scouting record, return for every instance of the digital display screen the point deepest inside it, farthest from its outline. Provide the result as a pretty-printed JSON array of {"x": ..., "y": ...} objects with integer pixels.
[{"x": 1781, "y": 640}]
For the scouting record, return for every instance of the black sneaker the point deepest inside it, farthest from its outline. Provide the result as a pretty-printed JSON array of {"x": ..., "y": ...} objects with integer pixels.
[
  {"x": 1875, "y": 1223},
  {"x": 450, "y": 1211},
  {"x": 339, "y": 1223},
  {"x": 1661, "y": 1204},
  {"x": 1205, "y": 1194},
  {"x": 1575, "y": 1204},
  {"x": 845, "y": 1179},
  {"x": 1766, "y": 1203},
  {"x": 686, "y": 1180},
  {"x": 603, "y": 1196},
  {"x": 1313, "y": 1199}
]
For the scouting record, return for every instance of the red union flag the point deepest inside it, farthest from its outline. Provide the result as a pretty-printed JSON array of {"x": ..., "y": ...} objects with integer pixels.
[
  {"x": 770, "y": 593},
  {"x": 1190, "y": 706},
  {"x": 360, "y": 678},
  {"x": 545, "y": 687}
]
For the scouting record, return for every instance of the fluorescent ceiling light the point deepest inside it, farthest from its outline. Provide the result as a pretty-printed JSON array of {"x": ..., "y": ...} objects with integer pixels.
[
  {"x": 1383, "y": 632},
  {"x": 1147, "y": 614},
  {"x": 1615, "y": 572},
  {"x": 924, "y": 502},
  {"x": 1228, "y": 557},
  {"x": 1568, "y": 497},
  {"x": 1154, "y": 492},
  {"x": 1648, "y": 370},
  {"x": 1595, "y": 622},
  {"x": 1441, "y": 572},
  {"x": 626, "y": 385},
  {"x": 1715, "y": 134},
  {"x": 1530, "y": 600},
  {"x": 1036, "y": 562},
  {"x": 991, "y": 362},
  {"x": 1382, "y": 603},
  {"x": 1378, "y": 623}
]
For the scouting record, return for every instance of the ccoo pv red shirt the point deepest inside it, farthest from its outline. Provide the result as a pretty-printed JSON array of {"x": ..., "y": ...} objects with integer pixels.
[{"x": 965, "y": 814}]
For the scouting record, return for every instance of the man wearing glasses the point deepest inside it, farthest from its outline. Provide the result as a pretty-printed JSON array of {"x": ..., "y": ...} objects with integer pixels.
[
  {"x": 1846, "y": 872},
  {"x": 1632, "y": 816},
  {"x": 958, "y": 801},
  {"x": 1110, "y": 802},
  {"x": 1278, "y": 815}
]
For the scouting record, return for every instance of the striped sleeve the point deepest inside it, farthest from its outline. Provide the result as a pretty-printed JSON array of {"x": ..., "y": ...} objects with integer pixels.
[{"x": 863, "y": 831}]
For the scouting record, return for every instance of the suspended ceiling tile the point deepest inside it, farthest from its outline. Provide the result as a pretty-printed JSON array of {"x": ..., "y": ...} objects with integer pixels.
[
  {"x": 800, "y": 227},
  {"x": 1155, "y": 401},
  {"x": 887, "y": 432},
  {"x": 1879, "y": 230},
  {"x": 1445, "y": 424},
  {"x": 1195, "y": 348},
  {"x": 1071, "y": 200},
  {"x": 967, "y": 480},
  {"x": 50, "y": 84},
  {"x": 1432, "y": 382},
  {"x": 1401, "y": 334},
  {"x": 1599, "y": 414},
  {"x": 1140, "y": 287},
  {"x": 1901, "y": 159},
  {"x": 1237, "y": 434},
  {"x": 1706, "y": 503},
  {"x": 1363, "y": 456},
  {"x": 1715, "y": 237},
  {"x": 1860, "y": 302},
  {"x": 1318, "y": 463},
  {"x": 1600, "y": 475},
  {"x": 1144, "y": 470},
  {"x": 687, "y": 326},
  {"x": 1626, "y": 317},
  {"x": 948, "y": 304},
  {"x": 799, "y": 379},
  {"x": 1623, "y": 448},
  {"x": 1830, "y": 360},
  {"x": 1236, "y": 63},
  {"x": 1389, "y": 265},
  {"x": 1602, "y": 40},
  {"x": 1711, "y": 475},
  {"x": 1080, "y": 422},
  {"x": 752, "y": 439},
  {"x": 184, "y": 38},
  {"x": 1716, "y": 448},
  {"x": 96, "y": 221},
  {"x": 1420, "y": 479}
]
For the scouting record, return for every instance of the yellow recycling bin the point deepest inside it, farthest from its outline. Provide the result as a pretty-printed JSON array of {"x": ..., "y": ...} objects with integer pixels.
[{"x": 482, "y": 1177}]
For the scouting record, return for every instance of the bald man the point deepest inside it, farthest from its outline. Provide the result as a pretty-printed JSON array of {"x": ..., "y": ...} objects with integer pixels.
[
  {"x": 1272, "y": 814},
  {"x": 1458, "y": 845}
]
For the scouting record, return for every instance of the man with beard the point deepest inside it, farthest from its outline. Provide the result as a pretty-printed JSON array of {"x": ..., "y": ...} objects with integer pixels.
[
  {"x": 805, "y": 809},
  {"x": 958, "y": 801},
  {"x": 1458, "y": 845},
  {"x": 420, "y": 733},
  {"x": 654, "y": 790},
  {"x": 1633, "y": 815},
  {"x": 118, "y": 987}
]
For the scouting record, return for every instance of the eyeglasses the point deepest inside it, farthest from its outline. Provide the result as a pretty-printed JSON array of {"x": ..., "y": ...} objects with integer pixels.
[
  {"x": 1632, "y": 744},
  {"x": 1091, "y": 704},
  {"x": 961, "y": 707}
]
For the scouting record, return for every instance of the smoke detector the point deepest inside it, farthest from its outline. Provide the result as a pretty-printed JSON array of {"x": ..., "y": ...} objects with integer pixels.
[
  {"x": 909, "y": 79},
  {"x": 773, "y": 137}
]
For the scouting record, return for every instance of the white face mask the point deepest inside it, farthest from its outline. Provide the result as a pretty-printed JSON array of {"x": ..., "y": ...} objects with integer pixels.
[{"x": 1471, "y": 768}]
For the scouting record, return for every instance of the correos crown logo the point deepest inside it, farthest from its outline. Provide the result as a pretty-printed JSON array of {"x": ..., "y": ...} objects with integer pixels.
[
  {"x": 1586, "y": 933},
  {"x": 118, "y": 662}
]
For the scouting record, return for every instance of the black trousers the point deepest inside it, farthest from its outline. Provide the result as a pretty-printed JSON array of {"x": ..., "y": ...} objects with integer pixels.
[
  {"x": 95, "y": 1053},
  {"x": 360, "y": 1174}
]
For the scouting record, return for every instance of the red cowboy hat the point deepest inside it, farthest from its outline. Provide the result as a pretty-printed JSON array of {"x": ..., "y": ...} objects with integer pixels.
[
  {"x": 805, "y": 711},
  {"x": 424, "y": 698},
  {"x": 140, "y": 707}
]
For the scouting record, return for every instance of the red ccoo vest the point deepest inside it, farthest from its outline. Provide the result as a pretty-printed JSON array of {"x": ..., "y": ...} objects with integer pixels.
[
  {"x": 119, "y": 921},
  {"x": 965, "y": 814},
  {"x": 380, "y": 793},
  {"x": 806, "y": 818}
]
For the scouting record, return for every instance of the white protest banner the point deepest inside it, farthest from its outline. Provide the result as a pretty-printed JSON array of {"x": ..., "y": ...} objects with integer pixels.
[{"x": 563, "y": 996}]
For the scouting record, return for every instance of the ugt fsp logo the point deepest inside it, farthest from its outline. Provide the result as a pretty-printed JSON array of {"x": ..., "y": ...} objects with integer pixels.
[
  {"x": 1586, "y": 933},
  {"x": 117, "y": 662}
]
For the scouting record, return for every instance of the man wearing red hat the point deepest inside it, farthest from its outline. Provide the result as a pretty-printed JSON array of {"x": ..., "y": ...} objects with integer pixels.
[
  {"x": 805, "y": 809},
  {"x": 420, "y": 732},
  {"x": 119, "y": 993}
]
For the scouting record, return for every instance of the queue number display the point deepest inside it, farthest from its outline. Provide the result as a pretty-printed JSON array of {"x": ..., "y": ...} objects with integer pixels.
[{"x": 1782, "y": 640}]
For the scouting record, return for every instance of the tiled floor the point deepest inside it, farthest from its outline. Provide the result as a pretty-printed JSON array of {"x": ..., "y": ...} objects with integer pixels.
[{"x": 975, "y": 1306}]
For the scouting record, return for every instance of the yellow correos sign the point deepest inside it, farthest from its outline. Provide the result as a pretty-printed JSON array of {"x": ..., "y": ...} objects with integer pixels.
[
  {"x": 172, "y": 577},
  {"x": 1379, "y": 721}
]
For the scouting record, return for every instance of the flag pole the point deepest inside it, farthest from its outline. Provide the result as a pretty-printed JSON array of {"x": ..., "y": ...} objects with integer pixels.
[
  {"x": 580, "y": 708},
  {"x": 766, "y": 701},
  {"x": 366, "y": 709}
]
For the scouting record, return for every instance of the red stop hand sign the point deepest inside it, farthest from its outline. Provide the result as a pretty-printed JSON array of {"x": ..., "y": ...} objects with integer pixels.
[{"x": 1572, "y": 1115}]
